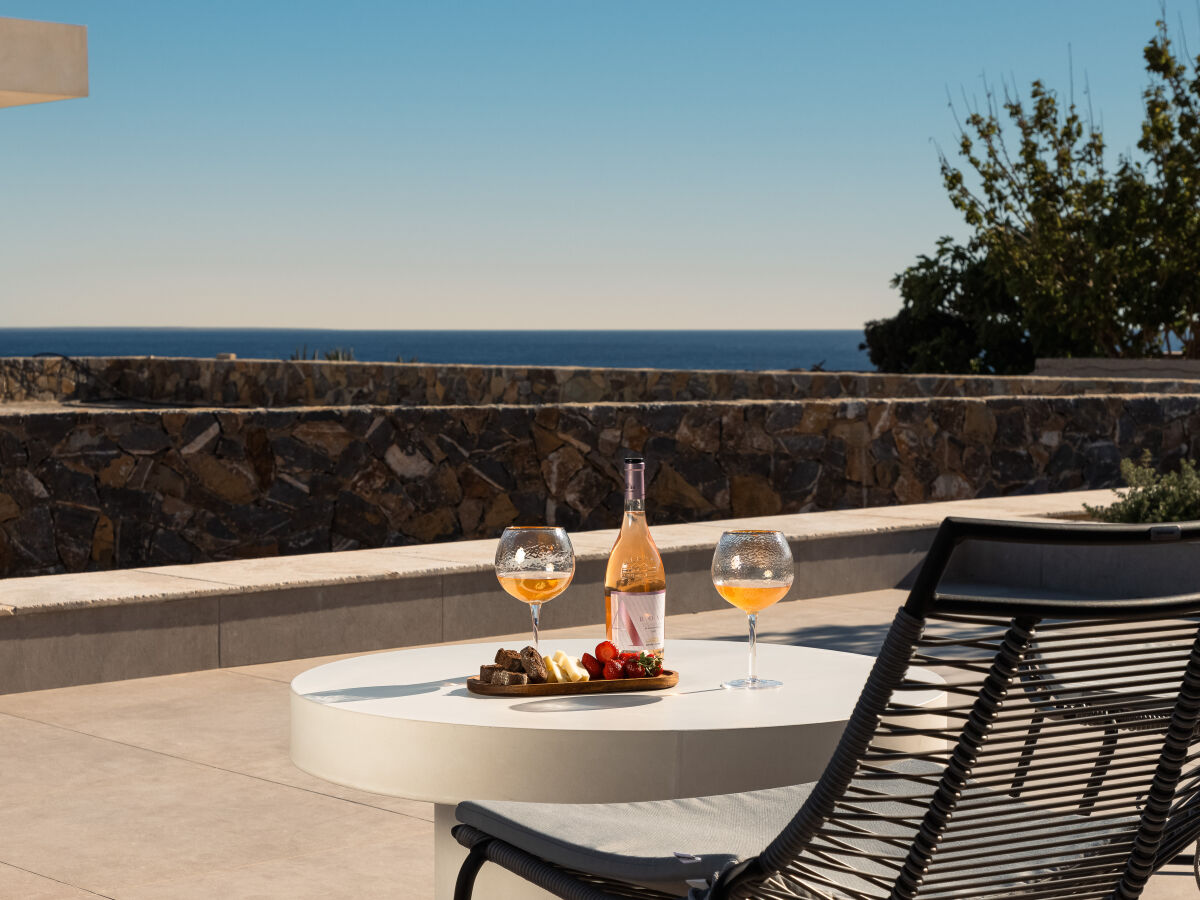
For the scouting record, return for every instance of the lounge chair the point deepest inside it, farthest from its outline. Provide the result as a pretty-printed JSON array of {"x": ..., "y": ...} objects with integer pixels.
[{"x": 906, "y": 809}]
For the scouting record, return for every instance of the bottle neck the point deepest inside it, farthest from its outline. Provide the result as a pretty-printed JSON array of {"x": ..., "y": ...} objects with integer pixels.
[
  {"x": 635, "y": 492},
  {"x": 635, "y": 489}
]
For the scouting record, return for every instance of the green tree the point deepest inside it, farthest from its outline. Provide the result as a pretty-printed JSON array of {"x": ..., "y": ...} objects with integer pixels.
[
  {"x": 1171, "y": 142},
  {"x": 957, "y": 317},
  {"x": 1063, "y": 234},
  {"x": 1079, "y": 260}
]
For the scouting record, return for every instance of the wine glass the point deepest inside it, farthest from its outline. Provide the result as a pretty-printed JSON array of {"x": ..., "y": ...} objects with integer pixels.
[
  {"x": 535, "y": 564},
  {"x": 752, "y": 570}
]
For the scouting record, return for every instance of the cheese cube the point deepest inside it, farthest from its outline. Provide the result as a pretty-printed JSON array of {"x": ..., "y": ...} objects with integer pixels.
[
  {"x": 574, "y": 670},
  {"x": 570, "y": 667}
]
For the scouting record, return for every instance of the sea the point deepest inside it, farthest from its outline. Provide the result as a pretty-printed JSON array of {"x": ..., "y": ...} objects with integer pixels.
[{"x": 738, "y": 350}]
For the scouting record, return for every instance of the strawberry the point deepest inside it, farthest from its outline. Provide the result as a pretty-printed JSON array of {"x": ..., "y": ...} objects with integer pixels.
[
  {"x": 632, "y": 668},
  {"x": 612, "y": 669},
  {"x": 628, "y": 654},
  {"x": 652, "y": 664},
  {"x": 595, "y": 668},
  {"x": 605, "y": 651}
]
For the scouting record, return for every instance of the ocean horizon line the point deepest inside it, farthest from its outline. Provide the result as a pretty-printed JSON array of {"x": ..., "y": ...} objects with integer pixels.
[
  {"x": 314, "y": 328},
  {"x": 697, "y": 349}
]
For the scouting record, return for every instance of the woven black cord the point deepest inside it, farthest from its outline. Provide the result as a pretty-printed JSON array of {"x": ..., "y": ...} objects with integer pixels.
[
  {"x": 962, "y": 760},
  {"x": 887, "y": 672},
  {"x": 1142, "y": 858}
]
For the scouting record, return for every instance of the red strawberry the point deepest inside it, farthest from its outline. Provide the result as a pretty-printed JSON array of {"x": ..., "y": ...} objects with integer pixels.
[
  {"x": 612, "y": 669},
  {"x": 595, "y": 668},
  {"x": 632, "y": 668},
  {"x": 652, "y": 664},
  {"x": 605, "y": 651},
  {"x": 628, "y": 654}
]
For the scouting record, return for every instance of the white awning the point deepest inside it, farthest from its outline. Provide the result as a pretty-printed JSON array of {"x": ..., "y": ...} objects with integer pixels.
[{"x": 41, "y": 61}]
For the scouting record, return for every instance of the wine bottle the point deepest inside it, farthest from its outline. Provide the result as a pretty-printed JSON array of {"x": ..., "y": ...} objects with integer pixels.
[{"x": 635, "y": 584}]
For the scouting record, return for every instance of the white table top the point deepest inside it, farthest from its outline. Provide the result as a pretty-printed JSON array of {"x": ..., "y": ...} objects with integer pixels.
[
  {"x": 403, "y": 723},
  {"x": 429, "y": 685}
]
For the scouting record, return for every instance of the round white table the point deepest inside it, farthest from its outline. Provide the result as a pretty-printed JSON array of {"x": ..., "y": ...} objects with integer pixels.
[{"x": 403, "y": 723}]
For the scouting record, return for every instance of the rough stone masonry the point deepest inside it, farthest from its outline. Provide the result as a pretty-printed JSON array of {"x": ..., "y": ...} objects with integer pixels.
[{"x": 94, "y": 489}]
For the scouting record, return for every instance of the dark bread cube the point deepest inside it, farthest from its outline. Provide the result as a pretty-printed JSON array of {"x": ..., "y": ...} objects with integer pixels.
[
  {"x": 488, "y": 673},
  {"x": 509, "y": 660},
  {"x": 534, "y": 667},
  {"x": 506, "y": 677}
]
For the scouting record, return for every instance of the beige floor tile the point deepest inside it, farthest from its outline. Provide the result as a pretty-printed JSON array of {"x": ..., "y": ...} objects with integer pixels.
[
  {"x": 17, "y": 883},
  {"x": 401, "y": 867},
  {"x": 287, "y": 669},
  {"x": 103, "y": 816},
  {"x": 1173, "y": 882},
  {"x": 222, "y": 719}
]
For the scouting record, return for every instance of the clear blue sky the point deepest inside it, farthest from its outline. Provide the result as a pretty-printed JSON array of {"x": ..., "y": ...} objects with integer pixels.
[{"x": 515, "y": 163}]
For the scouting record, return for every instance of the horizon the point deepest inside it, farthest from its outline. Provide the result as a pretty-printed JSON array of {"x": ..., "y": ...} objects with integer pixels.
[
  {"x": 404, "y": 330},
  {"x": 408, "y": 166}
]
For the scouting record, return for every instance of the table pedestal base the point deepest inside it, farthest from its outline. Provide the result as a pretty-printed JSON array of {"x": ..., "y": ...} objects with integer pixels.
[{"x": 493, "y": 883}]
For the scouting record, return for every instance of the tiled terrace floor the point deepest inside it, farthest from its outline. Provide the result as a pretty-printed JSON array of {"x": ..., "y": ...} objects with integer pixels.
[{"x": 180, "y": 786}]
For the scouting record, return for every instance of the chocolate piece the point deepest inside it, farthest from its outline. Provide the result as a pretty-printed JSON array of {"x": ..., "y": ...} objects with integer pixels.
[
  {"x": 506, "y": 677},
  {"x": 534, "y": 667},
  {"x": 488, "y": 673},
  {"x": 509, "y": 660}
]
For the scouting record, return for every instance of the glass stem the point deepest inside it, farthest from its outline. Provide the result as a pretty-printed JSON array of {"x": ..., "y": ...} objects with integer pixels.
[
  {"x": 534, "y": 610},
  {"x": 753, "y": 617}
]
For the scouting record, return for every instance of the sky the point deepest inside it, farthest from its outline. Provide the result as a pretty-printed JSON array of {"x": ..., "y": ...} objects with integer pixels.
[{"x": 517, "y": 164}]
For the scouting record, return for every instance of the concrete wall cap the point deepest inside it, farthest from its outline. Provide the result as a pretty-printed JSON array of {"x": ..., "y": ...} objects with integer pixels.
[{"x": 50, "y": 593}]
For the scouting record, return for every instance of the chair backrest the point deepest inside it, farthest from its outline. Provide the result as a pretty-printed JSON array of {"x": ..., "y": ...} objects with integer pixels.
[{"x": 1058, "y": 764}]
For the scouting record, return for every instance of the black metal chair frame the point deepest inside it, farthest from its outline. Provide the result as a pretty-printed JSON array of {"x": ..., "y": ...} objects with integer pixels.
[{"x": 959, "y": 832}]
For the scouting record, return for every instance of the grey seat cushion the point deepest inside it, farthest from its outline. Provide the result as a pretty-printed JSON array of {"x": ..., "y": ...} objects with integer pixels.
[
  {"x": 664, "y": 844},
  {"x": 639, "y": 842}
]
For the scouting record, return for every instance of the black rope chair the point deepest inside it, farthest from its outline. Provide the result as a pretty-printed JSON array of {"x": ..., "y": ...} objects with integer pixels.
[{"x": 1063, "y": 763}]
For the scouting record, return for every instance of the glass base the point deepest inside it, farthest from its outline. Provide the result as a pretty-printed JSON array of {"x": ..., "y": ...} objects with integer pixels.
[{"x": 751, "y": 684}]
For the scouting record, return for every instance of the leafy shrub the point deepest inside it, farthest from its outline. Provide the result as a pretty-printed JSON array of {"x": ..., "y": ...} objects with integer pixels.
[{"x": 1151, "y": 497}]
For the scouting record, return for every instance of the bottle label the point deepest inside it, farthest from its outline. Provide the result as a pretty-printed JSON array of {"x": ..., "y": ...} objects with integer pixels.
[{"x": 639, "y": 620}]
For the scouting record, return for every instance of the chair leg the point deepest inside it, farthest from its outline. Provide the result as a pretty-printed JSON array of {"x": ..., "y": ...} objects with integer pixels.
[
  {"x": 1107, "y": 748},
  {"x": 465, "y": 884},
  {"x": 1035, "y": 728}
]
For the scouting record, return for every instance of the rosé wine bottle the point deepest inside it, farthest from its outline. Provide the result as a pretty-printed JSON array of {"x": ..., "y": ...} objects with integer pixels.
[{"x": 635, "y": 584}]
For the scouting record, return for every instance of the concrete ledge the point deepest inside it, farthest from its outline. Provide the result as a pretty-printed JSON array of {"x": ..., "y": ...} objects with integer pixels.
[
  {"x": 1162, "y": 368},
  {"x": 59, "y": 630}
]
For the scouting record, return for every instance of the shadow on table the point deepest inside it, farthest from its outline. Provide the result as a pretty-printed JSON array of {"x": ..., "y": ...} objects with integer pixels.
[
  {"x": 865, "y": 639},
  {"x": 594, "y": 701},
  {"x": 379, "y": 691}
]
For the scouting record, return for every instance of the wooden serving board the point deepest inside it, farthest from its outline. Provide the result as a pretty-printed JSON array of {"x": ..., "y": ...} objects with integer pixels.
[{"x": 667, "y": 679}]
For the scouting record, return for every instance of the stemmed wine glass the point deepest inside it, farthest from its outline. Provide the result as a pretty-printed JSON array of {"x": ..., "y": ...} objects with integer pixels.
[
  {"x": 535, "y": 564},
  {"x": 752, "y": 570}
]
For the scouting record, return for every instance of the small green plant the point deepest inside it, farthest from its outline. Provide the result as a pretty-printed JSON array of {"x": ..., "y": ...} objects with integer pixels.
[
  {"x": 337, "y": 354},
  {"x": 1151, "y": 497}
]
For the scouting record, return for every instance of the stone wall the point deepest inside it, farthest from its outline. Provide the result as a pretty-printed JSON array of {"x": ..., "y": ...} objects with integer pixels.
[
  {"x": 87, "y": 489},
  {"x": 276, "y": 383}
]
